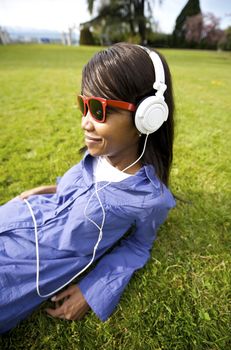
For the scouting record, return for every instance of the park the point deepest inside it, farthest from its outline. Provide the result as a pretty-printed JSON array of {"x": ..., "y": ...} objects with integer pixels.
[{"x": 181, "y": 298}]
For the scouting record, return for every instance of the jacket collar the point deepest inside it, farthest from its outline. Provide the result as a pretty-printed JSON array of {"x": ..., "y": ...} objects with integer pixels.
[{"x": 147, "y": 172}]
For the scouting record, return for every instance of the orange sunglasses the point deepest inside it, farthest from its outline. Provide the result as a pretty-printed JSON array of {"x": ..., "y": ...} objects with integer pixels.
[{"x": 97, "y": 106}]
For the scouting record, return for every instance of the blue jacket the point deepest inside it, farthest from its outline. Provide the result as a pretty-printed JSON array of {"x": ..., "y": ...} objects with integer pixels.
[{"x": 67, "y": 239}]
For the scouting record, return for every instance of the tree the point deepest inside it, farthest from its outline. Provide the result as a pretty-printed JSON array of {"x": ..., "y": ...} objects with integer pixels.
[
  {"x": 203, "y": 31},
  {"x": 193, "y": 29},
  {"x": 111, "y": 22},
  {"x": 211, "y": 34},
  {"x": 225, "y": 42},
  {"x": 129, "y": 16},
  {"x": 192, "y": 8},
  {"x": 86, "y": 37}
]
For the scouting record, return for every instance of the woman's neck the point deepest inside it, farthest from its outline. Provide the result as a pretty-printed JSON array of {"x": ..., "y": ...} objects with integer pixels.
[{"x": 122, "y": 163}]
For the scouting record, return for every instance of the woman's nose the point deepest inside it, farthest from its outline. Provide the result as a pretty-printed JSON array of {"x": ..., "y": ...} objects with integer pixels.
[{"x": 87, "y": 123}]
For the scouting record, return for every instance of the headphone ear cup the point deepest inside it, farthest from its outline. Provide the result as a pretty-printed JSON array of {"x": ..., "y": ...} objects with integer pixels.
[{"x": 151, "y": 113}]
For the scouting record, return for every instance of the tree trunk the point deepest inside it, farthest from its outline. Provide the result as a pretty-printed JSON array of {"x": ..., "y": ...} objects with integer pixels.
[
  {"x": 139, "y": 10},
  {"x": 132, "y": 17}
]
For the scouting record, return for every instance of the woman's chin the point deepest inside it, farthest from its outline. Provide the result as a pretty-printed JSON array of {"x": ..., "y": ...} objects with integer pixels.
[{"x": 94, "y": 152}]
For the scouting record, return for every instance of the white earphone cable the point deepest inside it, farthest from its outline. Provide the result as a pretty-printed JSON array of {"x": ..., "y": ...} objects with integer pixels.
[{"x": 100, "y": 228}]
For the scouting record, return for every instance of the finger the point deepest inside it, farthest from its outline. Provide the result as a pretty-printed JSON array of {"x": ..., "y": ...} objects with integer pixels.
[
  {"x": 55, "y": 312},
  {"x": 66, "y": 293},
  {"x": 59, "y": 316},
  {"x": 57, "y": 304},
  {"x": 60, "y": 296}
]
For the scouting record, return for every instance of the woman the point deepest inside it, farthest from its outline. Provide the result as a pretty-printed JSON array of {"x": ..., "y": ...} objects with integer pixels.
[{"x": 51, "y": 234}]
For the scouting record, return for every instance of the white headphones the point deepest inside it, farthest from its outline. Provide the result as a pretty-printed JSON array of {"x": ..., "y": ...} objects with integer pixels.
[{"x": 152, "y": 112}]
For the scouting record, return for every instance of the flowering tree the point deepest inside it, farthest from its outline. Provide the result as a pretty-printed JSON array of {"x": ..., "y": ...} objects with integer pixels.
[
  {"x": 191, "y": 9},
  {"x": 203, "y": 30},
  {"x": 193, "y": 29},
  {"x": 211, "y": 31}
]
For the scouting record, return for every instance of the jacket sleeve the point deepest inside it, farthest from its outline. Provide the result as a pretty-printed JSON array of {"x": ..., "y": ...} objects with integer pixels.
[{"x": 103, "y": 286}]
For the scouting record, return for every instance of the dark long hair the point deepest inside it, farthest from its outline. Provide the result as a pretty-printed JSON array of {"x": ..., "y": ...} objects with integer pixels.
[{"x": 125, "y": 72}]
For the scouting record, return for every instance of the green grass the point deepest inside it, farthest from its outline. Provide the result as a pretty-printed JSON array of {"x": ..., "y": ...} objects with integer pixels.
[{"x": 181, "y": 299}]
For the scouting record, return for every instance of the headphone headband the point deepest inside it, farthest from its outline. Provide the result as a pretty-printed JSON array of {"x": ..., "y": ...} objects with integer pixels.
[
  {"x": 159, "y": 83},
  {"x": 152, "y": 111}
]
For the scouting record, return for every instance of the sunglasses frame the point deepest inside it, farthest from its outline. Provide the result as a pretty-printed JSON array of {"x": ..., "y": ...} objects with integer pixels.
[{"x": 104, "y": 102}]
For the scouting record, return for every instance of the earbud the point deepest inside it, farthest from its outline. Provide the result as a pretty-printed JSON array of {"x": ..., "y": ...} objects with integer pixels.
[{"x": 152, "y": 111}]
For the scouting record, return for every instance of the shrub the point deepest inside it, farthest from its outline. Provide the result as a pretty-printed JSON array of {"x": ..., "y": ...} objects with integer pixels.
[
  {"x": 225, "y": 43},
  {"x": 86, "y": 37},
  {"x": 159, "y": 39}
]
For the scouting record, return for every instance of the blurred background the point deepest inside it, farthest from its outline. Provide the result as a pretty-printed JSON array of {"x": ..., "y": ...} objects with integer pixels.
[{"x": 201, "y": 24}]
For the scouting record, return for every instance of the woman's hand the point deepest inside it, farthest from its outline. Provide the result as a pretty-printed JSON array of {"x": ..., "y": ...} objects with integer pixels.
[
  {"x": 38, "y": 190},
  {"x": 73, "y": 305}
]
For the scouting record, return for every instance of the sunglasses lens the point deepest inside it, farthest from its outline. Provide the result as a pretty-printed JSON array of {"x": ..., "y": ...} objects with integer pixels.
[
  {"x": 81, "y": 104},
  {"x": 96, "y": 109}
]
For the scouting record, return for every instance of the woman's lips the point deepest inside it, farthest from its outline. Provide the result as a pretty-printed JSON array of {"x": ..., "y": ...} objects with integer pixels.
[{"x": 92, "y": 139}]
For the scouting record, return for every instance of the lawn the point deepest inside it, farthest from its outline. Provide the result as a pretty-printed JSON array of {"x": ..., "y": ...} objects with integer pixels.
[{"x": 181, "y": 299}]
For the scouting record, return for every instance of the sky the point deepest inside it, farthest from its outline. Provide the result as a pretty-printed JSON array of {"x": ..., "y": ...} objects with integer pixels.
[{"x": 61, "y": 14}]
